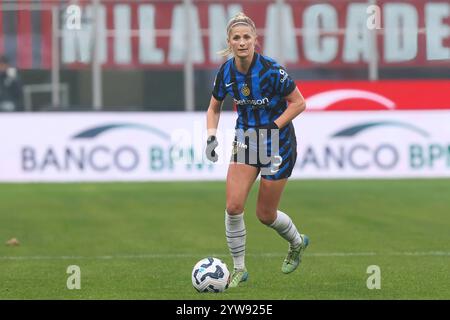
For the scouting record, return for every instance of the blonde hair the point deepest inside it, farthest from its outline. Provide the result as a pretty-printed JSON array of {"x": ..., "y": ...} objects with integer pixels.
[{"x": 239, "y": 18}]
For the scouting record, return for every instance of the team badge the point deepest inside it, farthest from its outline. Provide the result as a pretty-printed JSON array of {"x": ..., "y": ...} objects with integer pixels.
[{"x": 245, "y": 90}]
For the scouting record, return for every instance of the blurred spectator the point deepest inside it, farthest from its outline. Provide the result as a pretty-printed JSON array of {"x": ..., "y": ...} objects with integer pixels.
[{"x": 11, "y": 95}]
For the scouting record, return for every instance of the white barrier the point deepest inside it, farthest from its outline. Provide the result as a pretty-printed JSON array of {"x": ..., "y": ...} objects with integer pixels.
[{"x": 170, "y": 146}]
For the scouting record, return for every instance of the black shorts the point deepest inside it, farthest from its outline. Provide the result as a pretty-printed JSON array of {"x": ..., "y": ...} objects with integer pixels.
[{"x": 273, "y": 152}]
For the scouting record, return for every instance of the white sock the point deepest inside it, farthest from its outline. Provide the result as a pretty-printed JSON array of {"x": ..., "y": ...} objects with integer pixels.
[
  {"x": 235, "y": 232},
  {"x": 286, "y": 228}
]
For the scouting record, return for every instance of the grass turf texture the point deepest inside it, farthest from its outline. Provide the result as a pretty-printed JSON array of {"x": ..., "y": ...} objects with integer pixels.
[{"x": 141, "y": 240}]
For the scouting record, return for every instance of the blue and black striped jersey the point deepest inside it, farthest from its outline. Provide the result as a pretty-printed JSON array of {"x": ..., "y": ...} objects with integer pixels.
[{"x": 259, "y": 94}]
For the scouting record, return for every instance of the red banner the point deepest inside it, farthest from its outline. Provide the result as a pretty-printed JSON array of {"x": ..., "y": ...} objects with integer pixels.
[
  {"x": 152, "y": 34},
  {"x": 377, "y": 95}
]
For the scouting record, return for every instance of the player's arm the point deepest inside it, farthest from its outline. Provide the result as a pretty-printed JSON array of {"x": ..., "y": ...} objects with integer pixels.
[
  {"x": 296, "y": 105},
  {"x": 213, "y": 116},
  {"x": 212, "y": 121}
]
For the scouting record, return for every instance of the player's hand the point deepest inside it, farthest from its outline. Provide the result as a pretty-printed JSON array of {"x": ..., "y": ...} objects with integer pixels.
[{"x": 211, "y": 144}]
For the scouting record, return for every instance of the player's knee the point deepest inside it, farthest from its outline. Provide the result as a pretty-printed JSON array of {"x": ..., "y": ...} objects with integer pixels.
[
  {"x": 234, "y": 208},
  {"x": 266, "y": 216}
]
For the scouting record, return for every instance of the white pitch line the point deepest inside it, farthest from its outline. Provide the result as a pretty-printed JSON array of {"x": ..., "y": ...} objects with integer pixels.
[{"x": 181, "y": 255}]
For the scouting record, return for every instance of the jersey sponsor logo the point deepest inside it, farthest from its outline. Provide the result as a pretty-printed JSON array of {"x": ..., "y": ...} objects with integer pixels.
[
  {"x": 255, "y": 102},
  {"x": 245, "y": 90},
  {"x": 228, "y": 84}
]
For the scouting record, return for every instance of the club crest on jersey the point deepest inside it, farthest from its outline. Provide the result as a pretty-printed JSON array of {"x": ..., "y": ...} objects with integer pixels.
[{"x": 245, "y": 90}]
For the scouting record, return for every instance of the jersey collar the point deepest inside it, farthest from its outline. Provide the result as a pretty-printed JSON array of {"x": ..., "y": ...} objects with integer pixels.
[{"x": 255, "y": 58}]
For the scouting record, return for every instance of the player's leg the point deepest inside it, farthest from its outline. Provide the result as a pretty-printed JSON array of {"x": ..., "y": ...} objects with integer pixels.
[
  {"x": 273, "y": 181},
  {"x": 240, "y": 179},
  {"x": 269, "y": 196}
]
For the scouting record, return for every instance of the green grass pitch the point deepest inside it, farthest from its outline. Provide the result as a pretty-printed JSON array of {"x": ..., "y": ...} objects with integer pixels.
[{"x": 141, "y": 240}]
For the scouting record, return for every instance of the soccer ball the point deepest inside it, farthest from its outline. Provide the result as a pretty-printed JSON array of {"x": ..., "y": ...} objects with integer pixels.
[{"x": 210, "y": 275}]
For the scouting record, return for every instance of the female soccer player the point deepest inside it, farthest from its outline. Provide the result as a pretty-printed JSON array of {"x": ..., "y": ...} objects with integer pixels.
[{"x": 267, "y": 100}]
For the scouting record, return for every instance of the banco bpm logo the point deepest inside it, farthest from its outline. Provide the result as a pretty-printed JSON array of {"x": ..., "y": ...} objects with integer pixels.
[
  {"x": 96, "y": 150},
  {"x": 408, "y": 147}
]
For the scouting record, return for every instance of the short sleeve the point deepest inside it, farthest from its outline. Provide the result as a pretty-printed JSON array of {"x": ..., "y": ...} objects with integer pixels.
[
  {"x": 284, "y": 85},
  {"x": 219, "y": 89}
]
